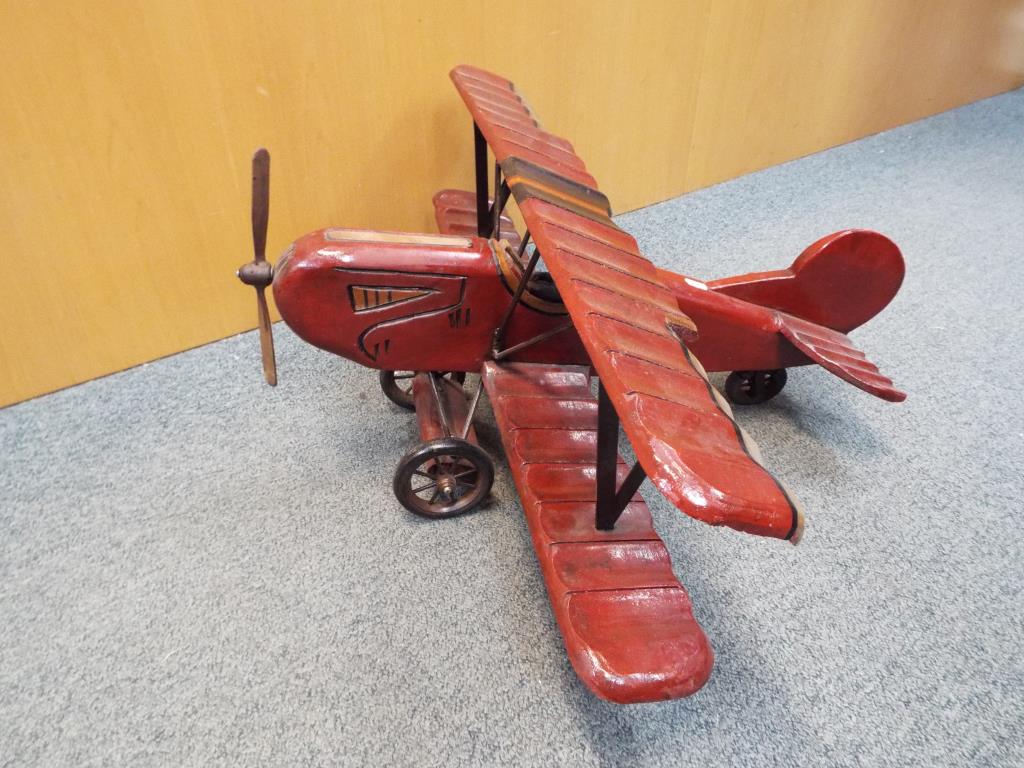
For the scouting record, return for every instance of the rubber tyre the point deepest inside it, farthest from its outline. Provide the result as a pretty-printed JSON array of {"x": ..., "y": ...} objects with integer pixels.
[
  {"x": 402, "y": 397},
  {"x": 754, "y": 387}
]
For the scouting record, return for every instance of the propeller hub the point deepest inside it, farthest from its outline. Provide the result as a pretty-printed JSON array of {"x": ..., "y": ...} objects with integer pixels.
[{"x": 258, "y": 274}]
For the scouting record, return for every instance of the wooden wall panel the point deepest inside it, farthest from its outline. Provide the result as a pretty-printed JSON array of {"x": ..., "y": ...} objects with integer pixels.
[{"x": 127, "y": 127}]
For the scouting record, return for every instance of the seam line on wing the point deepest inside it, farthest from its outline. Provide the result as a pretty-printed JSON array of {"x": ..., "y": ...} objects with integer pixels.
[
  {"x": 559, "y": 239},
  {"x": 588, "y": 236},
  {"x": 642, "y": 302},
  {"x": 572, "y": 254}
]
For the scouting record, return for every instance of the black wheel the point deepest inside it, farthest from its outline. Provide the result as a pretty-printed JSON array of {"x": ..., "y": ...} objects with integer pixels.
[
  {"x": 753, "y": 387},
  {"x": 397, "y": 386},
  {"x": 443, "y": 478}
]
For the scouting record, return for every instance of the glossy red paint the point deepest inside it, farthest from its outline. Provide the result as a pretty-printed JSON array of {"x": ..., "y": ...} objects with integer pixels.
[
  {"x": 407, "y": 302},
  {"x": 455, "y": 212},
  {"x": 511, "y": 129},
  {"x": 682, "y": 431},
  {"x": 835, "y": 353},
  {"x": 840, "y": 281},
  {"x": 627, "y": 621},
  {"x": 428, "y": 417},
  {"x": 738, "y": 335},
  {"x": 732, "y": 334},
  {"x": 433, "y": 303}
]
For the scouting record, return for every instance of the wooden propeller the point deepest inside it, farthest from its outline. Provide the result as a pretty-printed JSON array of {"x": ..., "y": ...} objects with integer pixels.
[{"x": 258, "y": 273}]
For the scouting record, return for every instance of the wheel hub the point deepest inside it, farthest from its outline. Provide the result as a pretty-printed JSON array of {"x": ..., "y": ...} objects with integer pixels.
[{"x": 447, "y": 485}]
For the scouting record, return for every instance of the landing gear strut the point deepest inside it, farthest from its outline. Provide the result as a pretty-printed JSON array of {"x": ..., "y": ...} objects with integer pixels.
[
  {"x": 397, "y": 386},
  {"x": 753, "y": 387}
]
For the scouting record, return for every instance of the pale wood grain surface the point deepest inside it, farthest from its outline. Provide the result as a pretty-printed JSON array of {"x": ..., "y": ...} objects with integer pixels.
[{"x": 127, "y": 128}]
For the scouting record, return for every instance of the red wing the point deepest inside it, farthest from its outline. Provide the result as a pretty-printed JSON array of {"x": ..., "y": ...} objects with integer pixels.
[
  {"x": 627, "y": 621},
  {"x": 511, "y": 129},
  {"x": 681, "y": 429},
  {"x": 834, "y": 352},
  {"x": 455, "y": 213}
]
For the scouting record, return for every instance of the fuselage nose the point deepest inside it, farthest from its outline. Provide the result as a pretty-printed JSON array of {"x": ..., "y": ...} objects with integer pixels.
[
  {"x": 400, "y": 301},
  {"x": 387, "y": 300}
]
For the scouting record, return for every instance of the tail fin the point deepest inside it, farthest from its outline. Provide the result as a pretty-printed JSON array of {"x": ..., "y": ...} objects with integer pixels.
[{"x": 840, "y": 282}]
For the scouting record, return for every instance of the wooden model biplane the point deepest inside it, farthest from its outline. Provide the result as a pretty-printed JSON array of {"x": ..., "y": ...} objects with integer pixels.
[{"x": 425, "y": 309}]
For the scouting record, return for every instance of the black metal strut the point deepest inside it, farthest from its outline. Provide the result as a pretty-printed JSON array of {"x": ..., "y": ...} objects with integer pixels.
[
  {"x": 501, "y": 193},
  {"x": 480, "y": 158},
  {"x": 499, "y": 332},
  {"x": 611, "y": 502},
  {"x": 502, "y": 354},
  {"x": 488, "y": 214}
]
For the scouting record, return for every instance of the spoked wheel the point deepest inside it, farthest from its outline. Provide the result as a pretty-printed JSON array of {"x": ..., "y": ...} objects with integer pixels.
[
  {"x": 397, "y": 386},
  {"x": 443, "y": 478},
  {"x": 753, "y": 387}
]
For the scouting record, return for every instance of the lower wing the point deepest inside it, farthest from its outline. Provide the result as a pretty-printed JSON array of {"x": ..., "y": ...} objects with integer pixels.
[{"x": 627, "y": 621}]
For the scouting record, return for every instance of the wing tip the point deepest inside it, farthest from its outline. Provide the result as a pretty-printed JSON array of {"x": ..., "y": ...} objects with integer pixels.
[{"x": 798, "y": 530}]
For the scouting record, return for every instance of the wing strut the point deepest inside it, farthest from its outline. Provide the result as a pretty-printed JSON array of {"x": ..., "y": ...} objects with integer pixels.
[
  {"x": 611, "y": 502},
  {"x": 480, "y": 155},
  {"x": 498, "y": 339},
  {"x": 501, "y": 193},
  {"x": 499, "y": 332},
  {"x": 488, "y": 214}
]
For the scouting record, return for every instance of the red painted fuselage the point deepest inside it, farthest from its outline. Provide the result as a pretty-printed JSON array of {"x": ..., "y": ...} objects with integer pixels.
[
  {"x": 432, "y": 302},
  {"x": 412, "y": 302}
]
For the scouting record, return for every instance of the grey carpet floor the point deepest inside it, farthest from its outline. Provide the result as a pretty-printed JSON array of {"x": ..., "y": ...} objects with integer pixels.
[{"x": 196, "y": 569}]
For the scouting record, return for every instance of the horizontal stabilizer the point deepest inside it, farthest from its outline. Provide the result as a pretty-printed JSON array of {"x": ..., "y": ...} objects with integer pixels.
[{"x": 834, "y": 352}]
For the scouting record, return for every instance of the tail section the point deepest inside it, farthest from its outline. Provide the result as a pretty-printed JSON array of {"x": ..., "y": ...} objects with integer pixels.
[
  {"x": 840, "y": 282},
  {"x": 765, "y": 321},
  {"x": 835, "y": 353}
]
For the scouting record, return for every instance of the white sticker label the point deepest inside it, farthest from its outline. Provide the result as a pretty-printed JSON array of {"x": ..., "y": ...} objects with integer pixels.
[{"x": 695, "y": 283}]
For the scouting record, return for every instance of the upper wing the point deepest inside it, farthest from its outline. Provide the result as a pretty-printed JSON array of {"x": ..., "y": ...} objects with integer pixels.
[
  {"x": 681, "y": 429},
  {"x": 511, "y": 129}
]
